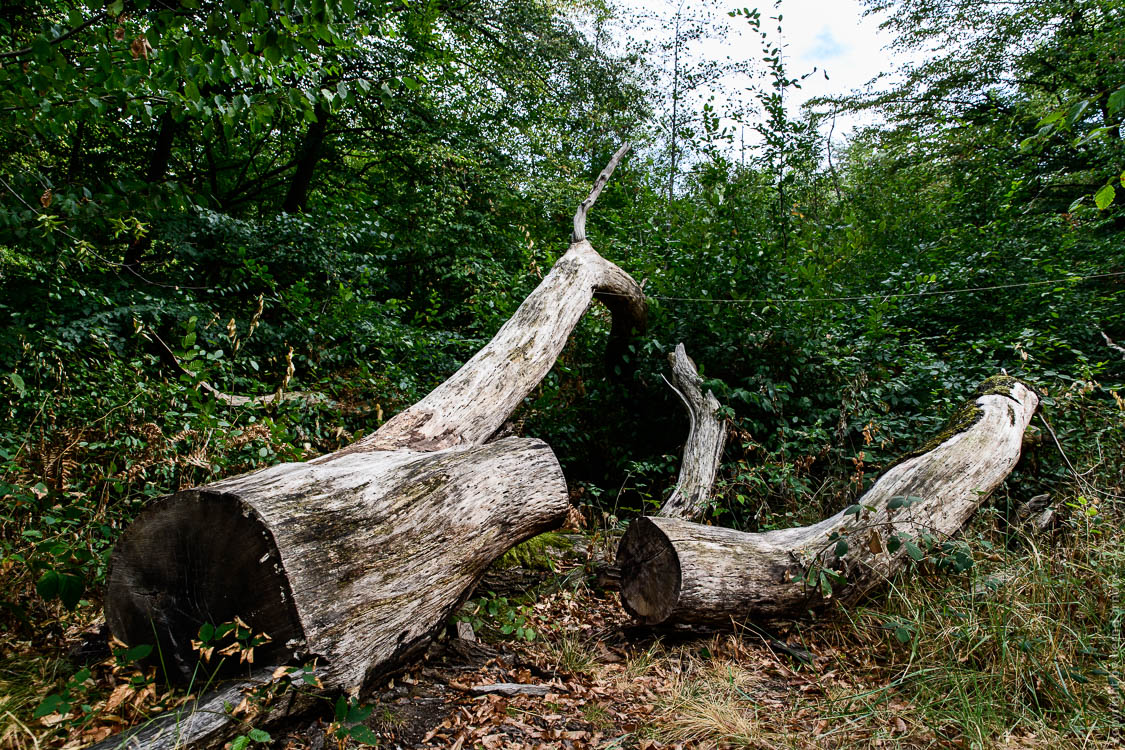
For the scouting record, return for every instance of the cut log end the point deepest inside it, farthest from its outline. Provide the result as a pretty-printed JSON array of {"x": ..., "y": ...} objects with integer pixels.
[
  {"x": 199, "y": 557},
  {"x": 650, "y": 572}
]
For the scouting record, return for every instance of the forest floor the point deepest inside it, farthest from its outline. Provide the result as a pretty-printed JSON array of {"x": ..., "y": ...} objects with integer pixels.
[{"x": 596, "y": 681}]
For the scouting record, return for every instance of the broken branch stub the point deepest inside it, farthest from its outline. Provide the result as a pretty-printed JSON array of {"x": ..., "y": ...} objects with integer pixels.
[
  {"x": 673, "y": 570},
  {"x": 359, "y": 557}
]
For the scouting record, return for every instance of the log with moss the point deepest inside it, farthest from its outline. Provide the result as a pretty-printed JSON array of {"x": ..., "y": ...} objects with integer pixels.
[
  {"x": 676, "y": 571},
  {"x": 358, "y": 558}
]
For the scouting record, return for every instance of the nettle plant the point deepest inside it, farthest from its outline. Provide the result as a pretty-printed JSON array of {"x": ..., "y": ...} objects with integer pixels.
[{"x": 498, "y": 614}]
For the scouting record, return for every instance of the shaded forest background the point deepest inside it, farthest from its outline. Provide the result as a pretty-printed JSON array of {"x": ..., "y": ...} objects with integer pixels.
[{"x": 348, "y": 198}]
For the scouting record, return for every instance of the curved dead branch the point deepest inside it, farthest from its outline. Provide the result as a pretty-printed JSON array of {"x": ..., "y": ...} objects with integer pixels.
[{"x": 704, "y": 448}]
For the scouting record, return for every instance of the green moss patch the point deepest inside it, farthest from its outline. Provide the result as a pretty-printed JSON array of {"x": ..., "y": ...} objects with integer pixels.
[
  {"x": 967, "y": 415},
  {"x": 534, "y": 554}
]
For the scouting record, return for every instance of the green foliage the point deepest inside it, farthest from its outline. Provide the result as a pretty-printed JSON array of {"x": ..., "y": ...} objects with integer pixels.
[
  {"x": 243, "y": 741},
  {"x": 350, "y": 715},
  {"x": 499, "y": 616}
]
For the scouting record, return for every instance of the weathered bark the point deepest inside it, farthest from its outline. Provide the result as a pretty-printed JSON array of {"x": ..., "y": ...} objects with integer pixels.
[
  {"x": 704, "y": 448},
  {"x": 359, "y": 557},
  {"x": 1112, "y": 344},
  {"x": 672, "y": 570},
  {"x": 356, "y": 561},
  {"x": 205, "y": 723}
]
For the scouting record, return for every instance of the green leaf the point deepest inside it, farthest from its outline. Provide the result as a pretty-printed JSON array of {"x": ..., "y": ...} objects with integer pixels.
[
  {"x": 206, "y": 632},
  {"x": 115, "y": 8},
  {"x": 259, "y": 736},
  {"x": 240, "y": 742},
  {"x": 853, "y": 510},
  {"x": 841, "y": 548},
  {"x": 341, "y": 708},
  {"x": 358, "y": 713},
  {"x": 48, "y": 585},
  {"x": 1104, "y": 197},
  {"x": 1116, "y": 101},
  {"x": 902, "y": 501},
  {"x": 71, "y": 588},
  {"x": 1052, "y": 117},
  {"x": 1076, "y": 112},
  {"x": 51, "y": 704},
  {"x": 913, "y": 550},
  {"x": 17, "y": 381},
  {"x": 136, "y": 653},
  {"x": 363, "y": 735}
]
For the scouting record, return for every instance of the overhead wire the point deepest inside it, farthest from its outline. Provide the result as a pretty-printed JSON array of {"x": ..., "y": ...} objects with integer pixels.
[{"x": 881, "y": 296}]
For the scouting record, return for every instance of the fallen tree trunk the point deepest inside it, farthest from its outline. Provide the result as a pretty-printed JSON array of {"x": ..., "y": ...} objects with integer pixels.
[
  {"x": 358, "y": 558},
  {"x": 673, "y": 570},
  {"x": 355, "y": 561},
  {"x": 704, "y": 448}
]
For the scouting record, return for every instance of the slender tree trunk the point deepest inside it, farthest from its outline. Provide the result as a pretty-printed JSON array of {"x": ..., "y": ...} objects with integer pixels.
[
  {"x": 158, "y": 163},
  {"x": 704, "y": 448},
  {"x": 311, "y": 149}
]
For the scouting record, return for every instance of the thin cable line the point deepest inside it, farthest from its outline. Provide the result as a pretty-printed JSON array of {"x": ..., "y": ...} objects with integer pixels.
[{"x": 861, "y": 297}]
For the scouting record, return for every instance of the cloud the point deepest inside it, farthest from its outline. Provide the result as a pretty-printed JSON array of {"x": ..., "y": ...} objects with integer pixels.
[{"x": 825, "y": 47}]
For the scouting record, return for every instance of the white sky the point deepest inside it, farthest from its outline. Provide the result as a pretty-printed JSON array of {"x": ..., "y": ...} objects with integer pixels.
[
  {"x": 828, "y": 35},
  {"x": 834, "y": 36}
]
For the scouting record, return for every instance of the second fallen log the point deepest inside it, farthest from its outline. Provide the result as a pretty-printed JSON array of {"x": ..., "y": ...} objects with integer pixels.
[{"x": 673, "y": 570}]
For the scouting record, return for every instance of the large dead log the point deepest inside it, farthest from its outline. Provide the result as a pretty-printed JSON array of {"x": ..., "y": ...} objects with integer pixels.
[
  {"x": 359, "y": 557},
  {"x": 673, "y": 570}
]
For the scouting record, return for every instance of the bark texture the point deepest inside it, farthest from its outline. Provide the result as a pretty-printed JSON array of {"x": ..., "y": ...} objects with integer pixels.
[
  {"x": 355, "y": 561},
  {"x": 673, "y": 570},
  {"x": 205, "y": 723},
  {"x": 704, "y": 448},
  {"x": 201, "y": 724}
]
